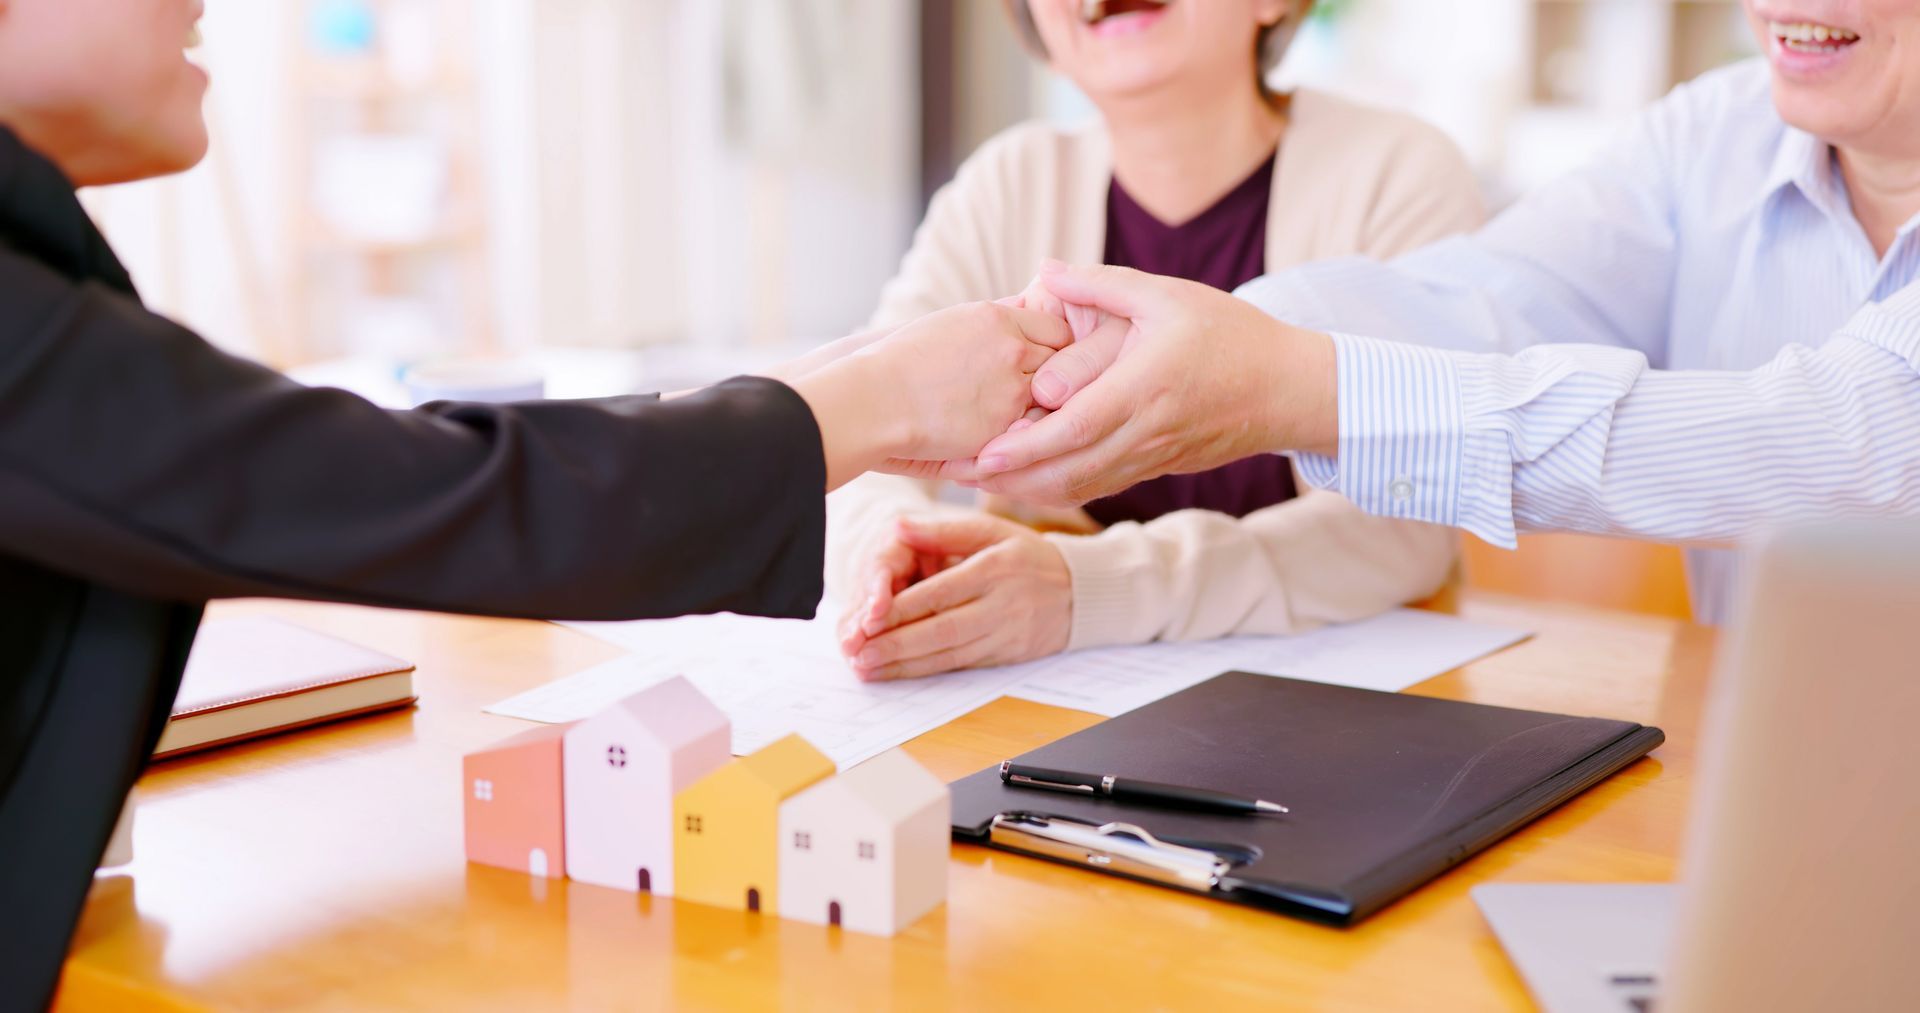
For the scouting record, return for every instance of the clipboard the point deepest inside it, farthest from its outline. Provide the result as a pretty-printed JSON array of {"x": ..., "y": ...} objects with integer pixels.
[{"x": 1387, "y": 791}]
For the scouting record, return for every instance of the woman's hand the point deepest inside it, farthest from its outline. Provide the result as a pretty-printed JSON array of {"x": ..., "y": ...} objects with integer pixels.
[{"x": 996, "y": 593}]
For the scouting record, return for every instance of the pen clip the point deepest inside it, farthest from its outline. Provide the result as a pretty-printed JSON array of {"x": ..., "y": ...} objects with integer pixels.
[
  {"x": 1007, "y": 776},
  {"x": 1124, "y": 848}
]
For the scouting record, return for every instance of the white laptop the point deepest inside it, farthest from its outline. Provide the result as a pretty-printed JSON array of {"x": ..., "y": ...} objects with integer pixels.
[{"x": 1800, "y": 887}]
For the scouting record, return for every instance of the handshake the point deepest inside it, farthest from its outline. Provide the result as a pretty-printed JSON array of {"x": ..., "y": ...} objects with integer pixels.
[{"x": 1090, "y": 381}]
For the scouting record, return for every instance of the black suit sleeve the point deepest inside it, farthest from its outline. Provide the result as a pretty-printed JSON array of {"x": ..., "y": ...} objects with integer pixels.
[{"x": 134, "y": 454}]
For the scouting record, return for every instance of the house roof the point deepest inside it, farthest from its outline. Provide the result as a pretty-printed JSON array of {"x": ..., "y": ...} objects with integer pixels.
[
  {"x": 538, "y": 733},
  {"x": 893, "y": 785},
  {"x": 787, "y": 766},
  {"x": 674, "y": 712}
]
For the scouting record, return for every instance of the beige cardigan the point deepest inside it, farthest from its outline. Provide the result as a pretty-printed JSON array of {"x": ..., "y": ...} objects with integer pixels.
[{"x": 1349, "y": 180}]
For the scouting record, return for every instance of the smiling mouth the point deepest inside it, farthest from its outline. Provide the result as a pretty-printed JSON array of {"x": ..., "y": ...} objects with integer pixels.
[
  {"x": 1093, "y": 12},
  {"x": 1807, "y": 37}
]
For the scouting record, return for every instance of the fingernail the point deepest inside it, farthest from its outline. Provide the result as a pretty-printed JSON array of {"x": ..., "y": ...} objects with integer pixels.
[
  {"x": 993, "y": 464},
  {"x": 1019, "y": 424},
  {"x": 1051, "y": 266},
  {"x": 868, "y": 658},
  {"x": 1049, "y": 388}
]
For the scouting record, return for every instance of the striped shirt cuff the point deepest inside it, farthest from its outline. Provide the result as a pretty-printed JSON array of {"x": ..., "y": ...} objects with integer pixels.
[{"x": 1406, "y": 450}]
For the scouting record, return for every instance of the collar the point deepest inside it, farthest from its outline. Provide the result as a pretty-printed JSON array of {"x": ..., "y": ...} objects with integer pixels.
[
  {"x": 41, "y": 217},
  {"x": 1805, "y": 162}
]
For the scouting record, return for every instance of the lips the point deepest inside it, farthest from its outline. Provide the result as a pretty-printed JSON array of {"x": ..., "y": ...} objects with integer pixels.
[{"x": 1093, "y": 12}]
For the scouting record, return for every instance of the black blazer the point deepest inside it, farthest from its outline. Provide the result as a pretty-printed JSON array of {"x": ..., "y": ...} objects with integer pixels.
[{"x": 143, "y": 472}]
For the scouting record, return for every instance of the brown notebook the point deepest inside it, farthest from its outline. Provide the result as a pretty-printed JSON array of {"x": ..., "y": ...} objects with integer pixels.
[{"x": 252, "y": 677}]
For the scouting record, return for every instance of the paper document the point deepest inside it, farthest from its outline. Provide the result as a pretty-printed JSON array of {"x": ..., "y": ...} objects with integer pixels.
[
  {"x": 772, "y": 677},
  {"x": 1389, "y": 652},
  {"x": 775, "y": 676}
]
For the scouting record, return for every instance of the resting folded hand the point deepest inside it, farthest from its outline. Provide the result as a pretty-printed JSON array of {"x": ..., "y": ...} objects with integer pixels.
[{"x": 965, "y": 591}]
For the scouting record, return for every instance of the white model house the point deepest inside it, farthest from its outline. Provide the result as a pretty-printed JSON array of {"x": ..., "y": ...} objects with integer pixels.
[
  {"x": 867, "y": 849},
  {"x": 623, "y": 768}
]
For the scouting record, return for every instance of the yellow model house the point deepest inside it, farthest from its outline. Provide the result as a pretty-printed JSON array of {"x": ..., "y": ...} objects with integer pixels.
[{"x": 726, "y": 826}]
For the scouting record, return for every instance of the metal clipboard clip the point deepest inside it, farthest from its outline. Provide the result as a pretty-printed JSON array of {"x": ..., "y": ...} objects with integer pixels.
[{"x": 1115, "y": 847}]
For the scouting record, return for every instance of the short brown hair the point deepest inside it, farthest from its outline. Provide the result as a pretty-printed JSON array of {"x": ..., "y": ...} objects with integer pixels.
[{"x": 1268, "y": 48}]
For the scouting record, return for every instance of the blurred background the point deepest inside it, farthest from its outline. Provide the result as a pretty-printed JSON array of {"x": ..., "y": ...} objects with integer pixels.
[{"x": 653, "y": 193}]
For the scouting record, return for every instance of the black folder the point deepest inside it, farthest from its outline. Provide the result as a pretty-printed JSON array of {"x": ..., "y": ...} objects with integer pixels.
[{"x": 1386, "y": 791}]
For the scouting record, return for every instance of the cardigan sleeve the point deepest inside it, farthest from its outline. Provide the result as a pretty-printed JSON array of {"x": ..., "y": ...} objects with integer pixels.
[{"x": 1313, "y": 560}]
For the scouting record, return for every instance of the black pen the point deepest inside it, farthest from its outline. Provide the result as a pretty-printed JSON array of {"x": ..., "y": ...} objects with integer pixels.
[{"x": 1019, "y": 775}]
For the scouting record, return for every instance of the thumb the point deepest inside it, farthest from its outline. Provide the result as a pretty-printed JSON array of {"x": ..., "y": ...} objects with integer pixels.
[
  {"x": 951, "y": 536},
  {"x": 1121, "y": 291},
  {"x": 1068, "y": 371}
]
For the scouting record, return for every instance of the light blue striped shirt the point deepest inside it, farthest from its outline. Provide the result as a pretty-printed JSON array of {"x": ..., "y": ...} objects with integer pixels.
[{"x": 1696, "y": 341}]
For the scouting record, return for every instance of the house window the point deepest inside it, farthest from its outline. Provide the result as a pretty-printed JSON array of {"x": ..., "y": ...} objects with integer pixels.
[
  {"x": 693, "y": 824},
  {"x": 802, "y": 841},
  {"x": 866, "y": 850},
  {"x": 616, "y": 756},
  {"x": 483, "y": 789}
]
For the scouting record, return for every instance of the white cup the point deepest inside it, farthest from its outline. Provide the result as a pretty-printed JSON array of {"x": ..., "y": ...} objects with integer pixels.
[{"x": 493, "y": 381}]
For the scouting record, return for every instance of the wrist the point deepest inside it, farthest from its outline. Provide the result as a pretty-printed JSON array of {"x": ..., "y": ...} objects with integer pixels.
[
  {"x": 1302, "y": 409},
  {"x": 858, "y": 430}
]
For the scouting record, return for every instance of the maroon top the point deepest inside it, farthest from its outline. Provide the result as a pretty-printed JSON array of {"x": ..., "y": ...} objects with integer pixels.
[{"x": 1223, "y": 246}]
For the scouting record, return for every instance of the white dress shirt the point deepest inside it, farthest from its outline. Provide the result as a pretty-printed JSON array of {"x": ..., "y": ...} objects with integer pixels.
[{"x": 1695, "y": 339}]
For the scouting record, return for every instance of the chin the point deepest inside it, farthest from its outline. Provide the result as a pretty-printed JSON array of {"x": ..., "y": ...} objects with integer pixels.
[
  {"x": 156, "y": 157},
  {"x": 1832, "y": 118}
]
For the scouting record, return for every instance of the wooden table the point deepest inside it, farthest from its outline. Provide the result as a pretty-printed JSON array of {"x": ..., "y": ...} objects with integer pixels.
[{"x": 324, "y": 870}]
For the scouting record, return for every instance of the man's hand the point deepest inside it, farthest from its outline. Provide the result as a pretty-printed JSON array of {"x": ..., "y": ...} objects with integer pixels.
[
  {"x": 982, "y": 591},
  {"x": 1177, "y": 377}
]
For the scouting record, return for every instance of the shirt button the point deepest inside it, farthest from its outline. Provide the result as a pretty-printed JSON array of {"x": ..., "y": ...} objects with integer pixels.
[{"x": 1401, "y": 489}]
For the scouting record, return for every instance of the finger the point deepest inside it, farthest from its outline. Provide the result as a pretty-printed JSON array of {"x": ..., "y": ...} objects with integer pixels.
[
  {"x": 1121, "y": 291},
  {"x": 939, "y": 643},
  {"x": 880, "y": 591},
  {"x": 978, "y": 654},
  {"x": 1072, "y": 368},
  {"x": 1070, "y": 480},
  {"x": 1048, "y": 330},
  {"x": 961, "y": 535},
  {"x": 956, "y": 587},
  {"x": 1091, "y": 417}
]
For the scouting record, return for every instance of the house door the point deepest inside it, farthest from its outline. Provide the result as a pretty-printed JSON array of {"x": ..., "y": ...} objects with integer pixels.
[
  {"x": 537, "y": 861},
  {"x": 753, "y": 899},
  {"x": 833, "y": 913},
  {"x": 646, "y": 881}
]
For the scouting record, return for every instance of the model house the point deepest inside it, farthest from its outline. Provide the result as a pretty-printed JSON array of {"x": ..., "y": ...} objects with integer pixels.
[
  {"x": 513, "y": 793},
  {"x": 725, "y": 825},
  {"x": 866, "y": 850},
  {"x": 623, "y": 768}
]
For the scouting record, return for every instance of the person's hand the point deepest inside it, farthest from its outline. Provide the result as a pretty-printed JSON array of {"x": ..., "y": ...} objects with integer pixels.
[
  {"x": 935, "y": 389},
  {"x": 885, "y": 567},
  {"x": 998, "y": 593},
  {"x": 1179, "y": 377}
]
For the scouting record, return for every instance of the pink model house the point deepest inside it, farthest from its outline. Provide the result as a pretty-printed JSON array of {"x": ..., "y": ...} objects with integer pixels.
[
  {"x": 513, "y": 803},
  {"x": 866, "y": 850},
  {"x": 623, "y": 768}
]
